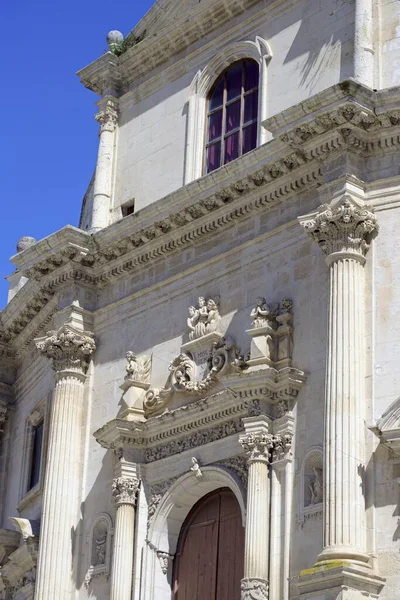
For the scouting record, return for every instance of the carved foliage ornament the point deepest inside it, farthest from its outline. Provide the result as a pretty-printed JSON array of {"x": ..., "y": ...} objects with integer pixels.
[
  {"x": 124, "y": 490},
  {"x": 68, "y": 348},
  {"x": 254, "y": 589},
  {"x": 107, "y": 117},
  {"x": 343, "y": 228},
  {"x": 263, "y": 447}
]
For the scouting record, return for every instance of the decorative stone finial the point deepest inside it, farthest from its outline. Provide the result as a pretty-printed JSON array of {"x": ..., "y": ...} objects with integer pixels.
[
  {"x": 25, "y": 242},
  {"x": 114, "y": 40}
]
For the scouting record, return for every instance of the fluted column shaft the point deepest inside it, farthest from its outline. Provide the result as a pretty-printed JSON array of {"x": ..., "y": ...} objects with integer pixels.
[
  {"x": 255, "y": 581},
  {"x": 124, "y": 491},
  {"x": 70, "y": 351},
  {"x": 344, "y": 233},
  {"x": 102, "y": 190}
]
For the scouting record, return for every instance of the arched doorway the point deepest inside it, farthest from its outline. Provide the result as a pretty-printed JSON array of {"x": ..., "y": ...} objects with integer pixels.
[{"x": 210, "y": 554}]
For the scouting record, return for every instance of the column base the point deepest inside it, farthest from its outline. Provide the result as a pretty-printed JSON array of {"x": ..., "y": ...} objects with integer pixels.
[
  {"x": 254, "y": 588},
  {"x": 338, "y": 580},
  {"x": 350, "y": 556}
]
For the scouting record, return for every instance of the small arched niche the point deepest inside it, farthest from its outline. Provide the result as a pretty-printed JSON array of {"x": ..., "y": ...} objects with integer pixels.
[
  {"x": 311, "y": 485},
  {"x": 99, "y": 548}
]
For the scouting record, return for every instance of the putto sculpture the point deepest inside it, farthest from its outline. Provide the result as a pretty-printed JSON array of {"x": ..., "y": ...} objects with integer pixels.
[
  {"x": 262, "y": 313},
  {"x": 137, "y": 368},
  {"x": 204, "y": 318}
]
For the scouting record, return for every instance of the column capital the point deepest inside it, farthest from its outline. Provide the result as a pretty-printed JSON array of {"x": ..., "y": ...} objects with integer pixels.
[
  {"x": 107, "y": 117},
  {"x": 344, "y": 230},
  {"x": 124, "y": 490},
  {"x": 258, "y": 446},
  {"x": 254, "y": 588},
  {"x": 69, "y": 349}
]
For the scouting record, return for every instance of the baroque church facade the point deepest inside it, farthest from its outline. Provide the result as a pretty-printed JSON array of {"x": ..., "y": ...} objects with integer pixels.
[{"x": 199, "y": 389}]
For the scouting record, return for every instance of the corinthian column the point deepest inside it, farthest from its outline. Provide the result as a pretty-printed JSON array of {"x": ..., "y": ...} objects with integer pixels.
[
  {"x": 344, "y": 233},
  {"x": 70, "y": 351},
  {"x": 124, "y": 490},
  {"x": 107, "y": 117},
  {"x": 258, "y": 443}
]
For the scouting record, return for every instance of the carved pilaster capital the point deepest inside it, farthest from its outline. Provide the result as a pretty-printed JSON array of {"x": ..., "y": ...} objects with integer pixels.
[
  {"x": 258, "y": 446},
  {"x": 124, "y": 490},
  {"x": 345, "y": 229},
  {"x": 253, "y": 588},
  {"x": 3, "y": 414},
  {"x": 107, "y": 117},
  {"x": 68, "y": 348},
  {"x": 282, "y": 445}
]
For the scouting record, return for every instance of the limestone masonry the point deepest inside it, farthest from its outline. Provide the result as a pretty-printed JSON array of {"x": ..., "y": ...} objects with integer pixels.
[{"x": 200, "y": 385}]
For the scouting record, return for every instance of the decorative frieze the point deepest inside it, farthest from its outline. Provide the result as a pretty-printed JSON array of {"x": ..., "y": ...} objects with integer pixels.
[
  {"x": 68, "y": 348},
  {"x": 198, "y": 438},
  {"x": 124, "y": 490}
]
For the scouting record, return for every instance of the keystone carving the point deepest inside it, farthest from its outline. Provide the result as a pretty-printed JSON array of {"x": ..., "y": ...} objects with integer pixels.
[
  {"x": 124, "y": 490},
  {"x": 68, "y": 348},
  {"x": 344, "y": 228}
]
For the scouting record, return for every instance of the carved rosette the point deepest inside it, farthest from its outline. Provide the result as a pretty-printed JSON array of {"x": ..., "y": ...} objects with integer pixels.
[
  {"x": 258, "y": 446},
  {"x": 254, "y": 589},
  {"x": 346, "y": 228},
  {"x": 69, "y": 349},
  {"x": 107, "y": 117},
  {"x": 124, "y": 490}
]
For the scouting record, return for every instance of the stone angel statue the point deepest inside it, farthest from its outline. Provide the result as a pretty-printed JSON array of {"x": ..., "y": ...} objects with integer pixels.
[{"x": 261, "y": 313}]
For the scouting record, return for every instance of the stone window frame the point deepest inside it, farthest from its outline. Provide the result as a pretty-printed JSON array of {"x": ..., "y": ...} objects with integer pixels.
[
  {"x": 105, "y": 569},
  {"x": 37, "y": 416},
  {"x": 200, "y": 88},
  {"x": 312, "y": 510}
]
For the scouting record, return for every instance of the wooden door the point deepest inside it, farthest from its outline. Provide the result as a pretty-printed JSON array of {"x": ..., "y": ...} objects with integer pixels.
[{"x": 210, "y": 554}]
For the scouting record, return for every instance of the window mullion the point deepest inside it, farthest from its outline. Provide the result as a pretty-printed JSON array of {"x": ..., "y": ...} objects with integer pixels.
[
  {"x": 241, "y": 112},
  {"x": 223, "y": 130}
]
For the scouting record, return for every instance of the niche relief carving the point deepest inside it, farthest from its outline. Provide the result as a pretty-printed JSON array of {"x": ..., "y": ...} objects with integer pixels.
[
  {"x": 99, "y": 551},
  {"x": 311, "y": 484}
]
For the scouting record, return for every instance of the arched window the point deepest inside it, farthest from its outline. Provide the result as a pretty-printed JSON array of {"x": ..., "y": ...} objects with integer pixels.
[{"x": 232, "y": 115}]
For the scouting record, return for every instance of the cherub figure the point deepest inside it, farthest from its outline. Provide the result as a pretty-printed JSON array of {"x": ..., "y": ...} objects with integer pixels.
[
  {"x": 260, "y": 313},
  {"x": 132, "y": 366},
  {"x": 214, "y": 317},
  {"x": 192, "y": 321}
]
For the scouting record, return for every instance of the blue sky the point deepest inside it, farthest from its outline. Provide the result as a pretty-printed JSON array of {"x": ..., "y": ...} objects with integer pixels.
[{"x": 48, "y": 133}]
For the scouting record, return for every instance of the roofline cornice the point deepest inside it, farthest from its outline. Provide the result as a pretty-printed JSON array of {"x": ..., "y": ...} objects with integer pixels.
[{"x": 347, "y": 118}]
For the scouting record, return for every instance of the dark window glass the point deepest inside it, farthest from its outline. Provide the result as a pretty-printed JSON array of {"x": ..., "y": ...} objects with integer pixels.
[
  {"x": 215, "y": 125},
  {"x": 232, "y": 118},
  {"x": 234, "y": 81},
  {"x": 232, "y": 147},
  {"x": 36, "y": 456},
  {"x": 250, "y": 107},
  {"x": 213, "y": 157},
  {"x": 217, "y": 98},
  {"x": 249, "y": 138},
  {"x": 251, "y": 76}
]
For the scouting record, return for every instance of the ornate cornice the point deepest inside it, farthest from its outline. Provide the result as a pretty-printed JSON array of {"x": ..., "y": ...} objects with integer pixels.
[
  {"x": 124, "y": 490},
  {"x": 69, "y": 349},
  {"x": 345, "y": 229},
  {"x": 348, "y": 118}
]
